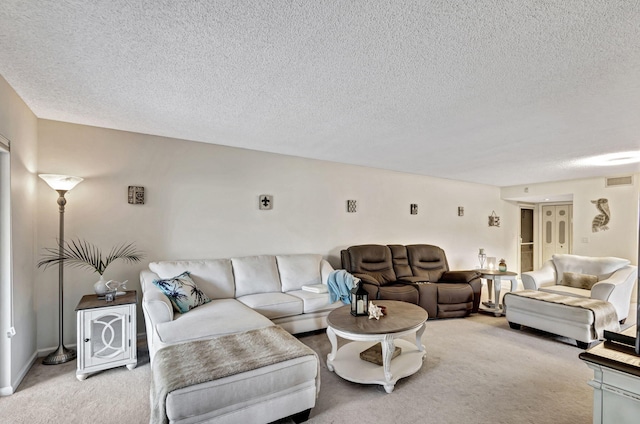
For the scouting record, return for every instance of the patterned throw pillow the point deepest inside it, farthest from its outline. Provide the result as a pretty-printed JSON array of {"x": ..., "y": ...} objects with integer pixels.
[
  {"x": 580, "y": 281},
  {"x": 182, "y": 292}
]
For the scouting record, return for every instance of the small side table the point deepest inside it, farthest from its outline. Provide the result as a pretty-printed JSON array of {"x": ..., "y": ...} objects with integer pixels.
[
  {"x": 106, "y": 333},
  {"x": 494, "y": 277}
]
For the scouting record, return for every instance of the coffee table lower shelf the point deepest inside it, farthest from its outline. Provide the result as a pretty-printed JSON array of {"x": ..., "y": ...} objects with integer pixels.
[{"x": 348, "y": 365}]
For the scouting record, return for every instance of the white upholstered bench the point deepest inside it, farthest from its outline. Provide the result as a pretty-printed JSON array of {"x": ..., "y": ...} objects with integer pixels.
[{"x": 582, "y": 319}]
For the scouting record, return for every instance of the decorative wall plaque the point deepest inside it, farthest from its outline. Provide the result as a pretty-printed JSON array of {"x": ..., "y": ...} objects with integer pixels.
[
  {"x": 351, "y": 206},
  {"x": 136, "y": 195},
  {"x": 265, "y": 202},
  {"x": 413, "y": 209},
  {"x": 601, "y": 220},
  {"x": 494, "y": 220}
]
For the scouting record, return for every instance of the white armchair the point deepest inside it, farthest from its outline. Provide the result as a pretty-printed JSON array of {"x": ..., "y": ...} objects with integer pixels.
[{"x": 604, "y": 278}]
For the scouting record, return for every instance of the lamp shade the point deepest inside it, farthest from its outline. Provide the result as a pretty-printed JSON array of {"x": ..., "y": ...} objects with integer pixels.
[{"x": 60, "y": 182}]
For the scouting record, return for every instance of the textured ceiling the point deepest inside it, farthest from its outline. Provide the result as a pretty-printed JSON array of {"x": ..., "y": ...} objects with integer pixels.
[{"x": 496, "y": 92}]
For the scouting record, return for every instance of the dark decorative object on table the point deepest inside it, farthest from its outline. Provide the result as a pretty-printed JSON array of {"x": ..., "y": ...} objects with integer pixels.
[
  {"x": 359, "y": 301},
  {"x": 502, "y": 266}
]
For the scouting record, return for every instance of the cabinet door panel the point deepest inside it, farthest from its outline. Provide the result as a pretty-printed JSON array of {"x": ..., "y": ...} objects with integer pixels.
[{"x": 108, "y": 335}]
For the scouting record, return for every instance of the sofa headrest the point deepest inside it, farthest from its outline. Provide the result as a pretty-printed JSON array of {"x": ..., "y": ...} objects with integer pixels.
[
  {"x": 427, "y": 261},
  {"x": 602, "y": 267},
  {"x": 374, "y": 260}
]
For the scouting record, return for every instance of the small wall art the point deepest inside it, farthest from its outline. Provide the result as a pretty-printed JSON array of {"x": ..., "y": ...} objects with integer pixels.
[
  {"x": 494, "y": 220},
  {"x": 460, "y": 211},
  {"x": 136, "y": 195},
  {"x": 413, "y": 209},
  {"x": 265, "y": 202},
  {"x": 601, "y": 220},
  {"x": 352, "y": 206}
]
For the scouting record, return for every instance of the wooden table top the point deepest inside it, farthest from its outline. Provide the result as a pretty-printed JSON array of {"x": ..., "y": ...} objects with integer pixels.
[
  {"x": 496, "y": 272},
  {"x": 91, "y": 301},
  {"x": 615, "y": 356},
  {"x": 400, "y": 316}
]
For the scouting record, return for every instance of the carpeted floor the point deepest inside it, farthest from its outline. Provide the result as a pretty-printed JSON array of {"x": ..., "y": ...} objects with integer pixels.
[{"x": 477, "y": 370}]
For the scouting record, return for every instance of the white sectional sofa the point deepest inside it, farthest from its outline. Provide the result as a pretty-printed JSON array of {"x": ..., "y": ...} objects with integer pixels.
[{"x": 247, "y": 293}]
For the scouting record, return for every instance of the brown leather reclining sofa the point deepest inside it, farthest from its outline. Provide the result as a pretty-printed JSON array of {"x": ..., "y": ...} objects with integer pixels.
[{"x": 417, "y": 273}]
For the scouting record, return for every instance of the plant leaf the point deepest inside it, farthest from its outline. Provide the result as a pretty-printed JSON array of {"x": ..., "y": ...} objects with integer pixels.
[{"x": 82, "y": 254}]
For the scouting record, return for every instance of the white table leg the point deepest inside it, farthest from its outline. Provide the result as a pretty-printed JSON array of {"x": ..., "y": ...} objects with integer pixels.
[
  {"x": 419, "y": 333},
  {"x": 387, "y": 352},
  {"x": 334, "y": 348},
  {"x": 489, "y": 303},
  {"x": 497, "y": 286}
]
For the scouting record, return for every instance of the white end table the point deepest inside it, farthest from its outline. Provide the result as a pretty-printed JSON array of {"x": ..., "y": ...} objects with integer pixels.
[
  {"x": 494, "y": 277},
  {"x": 106, "y": 333},
  {"x": 402, "y": 319}
]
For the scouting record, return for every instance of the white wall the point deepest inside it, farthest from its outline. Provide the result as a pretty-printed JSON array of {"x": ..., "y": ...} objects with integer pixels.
[
  {"x": 202, "y": 202},
  {"x": 621, "y": 239},
  {"x": 19, "y": 125}
]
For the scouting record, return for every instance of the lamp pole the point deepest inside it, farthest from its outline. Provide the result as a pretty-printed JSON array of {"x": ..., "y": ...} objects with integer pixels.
[
  {"x": 62, "y": 184},
  {"x": 61, "y": 354}
]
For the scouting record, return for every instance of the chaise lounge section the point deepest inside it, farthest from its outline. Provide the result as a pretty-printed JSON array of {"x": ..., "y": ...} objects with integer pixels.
[
  {"x": 254, "y": 296},
  {"x": 574, "y": 296},
  {"x": 417, "y": 273}
]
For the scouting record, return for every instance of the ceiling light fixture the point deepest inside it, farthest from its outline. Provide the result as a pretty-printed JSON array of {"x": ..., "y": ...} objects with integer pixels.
[{"x": 612, "y": 159}]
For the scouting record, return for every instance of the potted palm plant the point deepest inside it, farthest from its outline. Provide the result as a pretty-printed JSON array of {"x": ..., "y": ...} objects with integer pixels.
[{"x": 82, "y": 254}]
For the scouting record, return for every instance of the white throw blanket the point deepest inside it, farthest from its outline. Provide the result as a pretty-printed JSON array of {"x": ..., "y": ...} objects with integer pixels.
[{"x": 190, "y": 363}]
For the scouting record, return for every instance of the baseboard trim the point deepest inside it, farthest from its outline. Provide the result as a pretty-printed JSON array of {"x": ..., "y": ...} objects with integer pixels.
[{"x": 8, "y": 391}]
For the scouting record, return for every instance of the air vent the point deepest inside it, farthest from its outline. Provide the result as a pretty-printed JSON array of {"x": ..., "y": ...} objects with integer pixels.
[{"x": 618, "y": 181}]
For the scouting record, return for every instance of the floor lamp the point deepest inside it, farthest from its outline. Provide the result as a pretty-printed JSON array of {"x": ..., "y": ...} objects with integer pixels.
[{"x": 61, "y": 184}]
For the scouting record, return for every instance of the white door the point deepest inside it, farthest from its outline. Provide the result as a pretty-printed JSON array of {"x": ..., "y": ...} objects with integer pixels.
[{"x": 556, "y": 230}]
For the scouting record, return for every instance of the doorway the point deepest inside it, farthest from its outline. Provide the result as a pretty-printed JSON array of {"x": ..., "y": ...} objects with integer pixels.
[{"x": 527, "y": 246}]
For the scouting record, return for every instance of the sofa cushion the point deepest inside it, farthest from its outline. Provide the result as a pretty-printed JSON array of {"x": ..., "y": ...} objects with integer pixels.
[
  {"x": 566, "y": 290},
  {"x": 298, "y": 270},
  {"x": 183, "y": 293},
  {"x": 273, "y": 305},
  {"x": 221, "y": 399},
  {"x": 255, "y": 274},
  {"x": 602, "y": 267},
  {"x": 213, "y": 277},
  {"x": 400, "y": 261},
  {"x": 315, "y": 302},
  {"x": 218, "y": 317},
  {"x": 577, "y": 280}
]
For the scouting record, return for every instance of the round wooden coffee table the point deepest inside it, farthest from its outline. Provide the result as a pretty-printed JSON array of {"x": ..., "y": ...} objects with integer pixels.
[{"x": 402, "y": 319}]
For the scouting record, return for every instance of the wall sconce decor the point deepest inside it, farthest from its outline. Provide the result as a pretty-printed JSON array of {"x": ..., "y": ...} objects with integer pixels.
[
  {"x": 136, "y": 195},
  {"x": 414, "y": 209},
  {"x": 460, "y": 210},
  {"x": 351, "y": 206},
  {"x": 265, "y": 202},
  {"x": 494, "y": 220}
]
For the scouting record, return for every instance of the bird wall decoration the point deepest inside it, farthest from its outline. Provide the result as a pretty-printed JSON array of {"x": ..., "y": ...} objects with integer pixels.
[{"x": 601, "y": 220}]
